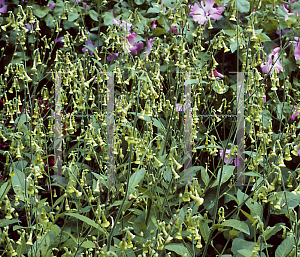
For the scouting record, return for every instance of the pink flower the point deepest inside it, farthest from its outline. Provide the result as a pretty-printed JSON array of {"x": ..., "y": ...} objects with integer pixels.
[
  {"x": 174, "y": 29},
  {"x": 51, "y": 6},
  {"x": 266, "y": 67},
  {"x": 202, "y": 13},
  {"x": 132, "y": 46},
  {"x": 91, "y": 45},
  {"x": 227, "y": 154},
  {"x": 3, "y": 6},
  {"x": 286, "y": 16},
  {"x": 295, "y": 113},
  {"x": 124, "y": 24},
  {"x": 217, "y": 74},
  {"x": 154, "y": 25},
  {"x": 297, "y": 50},
  {"x": 149, "y": 46},
  {"x": 84, "y": 5},
  {"x": 298, "y": 151},
  {"x": 78, "y": 1}
]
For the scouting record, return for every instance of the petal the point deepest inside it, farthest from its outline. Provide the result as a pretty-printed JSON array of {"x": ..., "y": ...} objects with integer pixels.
[
  {"x": 149, "y": 46},
  {"x": 3, "y": 8},
  {"x": 297, "y": 52}
]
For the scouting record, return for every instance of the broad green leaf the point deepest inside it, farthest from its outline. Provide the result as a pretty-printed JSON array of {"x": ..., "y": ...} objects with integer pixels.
[
  {"x": 237, "y": 224},
  {"x": 93, "y": 15},
  {"x": 88, "y": 244},
  {"x": 49, "y": 22},
  {"x": 271, "y": 231},
  {"x": 40, "y": 11},
  {"x": 86, "y": 220},
  {"x": 285, "y": 247},
  {"x": 18, "y": 182},
  {"x": 4, "y": 190},
  {"x": 139, "y": 2},
  {"x": 158, "y": 31},
  {"x": 136, "y": 178},
  {"x": 242, "y": 6},
  {"x": 72, "y": 16},
  {"x": 179, "y": 248},
  {"x": 204, "y": 229},
  {"x": 263, "y": 37},
  {"x": 240, "y": 244},
  {"x": 153, "y": 10},
  {"x": 252, "y": 174},
  {"x": 6, "y": 222},
  {"x": 108, "y": 18},
  {"x": 250, "y": 218},
  {"x": 73, "y": 238},
  {"x": 246, "y": 252},
  {"x": 226, "y": 174}
]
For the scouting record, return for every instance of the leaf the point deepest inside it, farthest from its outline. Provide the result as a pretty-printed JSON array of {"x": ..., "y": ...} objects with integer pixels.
[
  {"x": 18, "y": 182},
  {"x": 136, "y": 178},
  {"x": 158, "y": 31},
  {"x": 179, "y": 249},
  {"x": 4, "y": 190},
  {"x": 207, "y": 146},
  {"x": 108, "y": 18},
  {"x": 72, "y": 16},
  {"x": 93, "y": 15},
  {"x": 49, "y": 22},
  {"x": 88, "y": 244},
  {"x": 271, "y": 231},
  {"x": 139, "y": 2},
  {"x": 40, "y": 11},
  {"x": 204, "y": 176},
  {"x": 250, "y": 218},
  {"x": 227, "y": 173},
  {"x": 159, "y": 125},
  {"x": 243, "y": 6},
  {"x": 86, "y": 220},
  {"x": 241, "y": 244},
  {"x": 191, "y": 81},
  {"x": 6, "y": 222},
  {"x": 263, "y": 37},
  {"x": 285, "y": 247},
  {"x": 153, "y": 10},
  {"x": 237, "y": 224}
]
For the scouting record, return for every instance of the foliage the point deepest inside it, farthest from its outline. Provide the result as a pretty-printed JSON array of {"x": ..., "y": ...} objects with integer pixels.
[{"x": 154, "y": 203}]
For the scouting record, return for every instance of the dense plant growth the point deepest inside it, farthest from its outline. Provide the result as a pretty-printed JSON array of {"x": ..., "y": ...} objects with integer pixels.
[{"x": 149, "y": 47}]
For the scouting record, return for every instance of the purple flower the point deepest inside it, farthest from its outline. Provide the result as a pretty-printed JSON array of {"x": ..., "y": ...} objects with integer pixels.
[
  {"x": 154, "y": 25},
  {"x": 51, "y": 6},
  {"x": 84, "y": 5},
  {"x": 298, "y": 151},
  {"x": 266, "y": 67},
  {"x": 296, "y": 44},
  {"x": 3, "y": 6},
  {"x": 295, "y": 113},
  {"x": 201, "y": 14},
  {"x": 78, "y": 1},
  {"x": 59, "y": 41},
  {"x": 149, "y": 46},
  {"x": 115, "y": 57},
  {"x": 227, "y": 154},
  {"x": 90, "y": 44},
  {"x": 29, "y": 27}
]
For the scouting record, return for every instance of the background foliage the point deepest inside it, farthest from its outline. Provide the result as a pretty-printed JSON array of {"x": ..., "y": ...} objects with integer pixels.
[{"x": 149, "y": 211}]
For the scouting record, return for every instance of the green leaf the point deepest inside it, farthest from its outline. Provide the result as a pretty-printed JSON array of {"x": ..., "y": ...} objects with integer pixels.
[
  {"x": 108, "y": 18},
  {"x": 237, "y": 224},
  {"x": 18, "y": 182},
  {"x": 204, "y": 176},
  {"x": 88, "y": 244},
  {"x": 285, "y": 247},
  {"x": 86, "y": 220},
  {"x": 191, "y": 81},
  {"x": 136, "y": 178},
  {"x": 4, "y": 190},
  {"x": 153, "y": 10},
  {"x": 73, "y": 16},
  {"x": 245, "y": 252},
  {"x": 227, "y": 173},
  {"x": 40, "y": 11},
  {"x": 93, "y": 15},
  {"x": 263, "y": 37},
  {"x": 240, "y": 244},
  {"x": 250, "y": 218},
  {"x": 178, "y": 248},
  {"x": 158, "y": 31},
  {"x": 139, "y": 2},
  {"x": 271, "y": 231},
  {"x": 49, "y": 21},
  {"x": 208, "y": 146},
  {"x": 242, "y": 6},
  {"x": 6, "y": 222}
]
